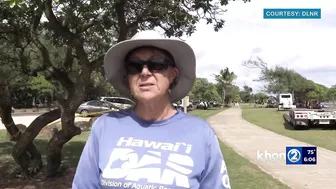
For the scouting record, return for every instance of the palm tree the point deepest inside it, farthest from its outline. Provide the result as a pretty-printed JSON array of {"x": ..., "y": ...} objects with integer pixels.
[{"x": 224, "y": 78}]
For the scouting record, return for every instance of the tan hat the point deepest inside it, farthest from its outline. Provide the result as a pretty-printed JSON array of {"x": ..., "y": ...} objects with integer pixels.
[{"x": 182, "y": 53}]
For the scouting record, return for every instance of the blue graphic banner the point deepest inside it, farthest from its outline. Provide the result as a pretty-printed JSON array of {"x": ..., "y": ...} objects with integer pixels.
[
  {"x": 306, "y": 155},
  {"x": 292, "y": 13}
]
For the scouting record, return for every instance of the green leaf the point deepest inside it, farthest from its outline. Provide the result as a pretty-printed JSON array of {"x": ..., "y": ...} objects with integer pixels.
[{"x": 12, "y": 3}]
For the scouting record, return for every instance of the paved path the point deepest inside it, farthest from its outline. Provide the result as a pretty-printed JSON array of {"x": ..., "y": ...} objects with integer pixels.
[
  {"x": 26, "y": 120},
  {"x": 27, "y": 114},
  {"x": 247, "y": 139}
]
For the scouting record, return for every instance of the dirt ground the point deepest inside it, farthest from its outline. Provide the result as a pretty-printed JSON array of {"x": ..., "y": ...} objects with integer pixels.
[{"x": 62, "y": 182}]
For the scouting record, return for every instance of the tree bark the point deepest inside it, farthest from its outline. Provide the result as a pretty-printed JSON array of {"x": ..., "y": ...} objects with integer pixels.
[
  {"x": 54, "y": 150},
  {"x": 223, "y": 95},
  {"x": 24, "y": 151},
  {"x": 31, "y": 154},
  {"x": 69, "y": 130},
  {"x": 25, "y": 142},
  {"x": 15, "y": 135}
]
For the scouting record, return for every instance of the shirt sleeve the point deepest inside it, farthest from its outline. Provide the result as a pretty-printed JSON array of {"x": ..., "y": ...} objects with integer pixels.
[
  {"x": 215, "y": 174},
  {"x": 87, "y": 173}
]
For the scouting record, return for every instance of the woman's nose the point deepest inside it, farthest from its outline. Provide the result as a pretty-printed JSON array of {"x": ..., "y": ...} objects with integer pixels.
[{"x": 145, "y": 71}]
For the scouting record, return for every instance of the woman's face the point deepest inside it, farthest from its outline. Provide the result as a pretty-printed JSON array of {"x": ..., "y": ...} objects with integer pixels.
[{"x": 150, "y": 74}]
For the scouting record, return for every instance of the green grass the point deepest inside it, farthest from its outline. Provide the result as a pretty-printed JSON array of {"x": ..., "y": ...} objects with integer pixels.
[
  {"x": 246, "y": 175},
  {"x": 273, "y": 120},
  {"x": 243, "y": 174},
  {"x": 204, "y": 114}
]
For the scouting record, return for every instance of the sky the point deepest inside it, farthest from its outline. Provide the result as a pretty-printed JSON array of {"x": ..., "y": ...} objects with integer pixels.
[{"x": 307, "y": 46}]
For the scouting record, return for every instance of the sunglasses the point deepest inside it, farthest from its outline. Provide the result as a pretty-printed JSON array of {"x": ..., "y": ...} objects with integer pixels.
[{"x": 154, "y": 65}]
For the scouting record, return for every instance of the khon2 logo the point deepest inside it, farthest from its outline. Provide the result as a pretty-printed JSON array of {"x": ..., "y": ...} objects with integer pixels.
[
  {"x": 301, "y": 155},
  {"x": 294, "y": 155}
]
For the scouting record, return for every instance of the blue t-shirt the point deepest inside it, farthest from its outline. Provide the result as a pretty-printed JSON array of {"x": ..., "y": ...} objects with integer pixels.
[{"x": 125, "y": 151}]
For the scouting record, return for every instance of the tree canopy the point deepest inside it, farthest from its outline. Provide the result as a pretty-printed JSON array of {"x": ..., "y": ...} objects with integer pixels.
[
  {"x": 53, "y": 49},
  {"x": 283, "y": 80}
]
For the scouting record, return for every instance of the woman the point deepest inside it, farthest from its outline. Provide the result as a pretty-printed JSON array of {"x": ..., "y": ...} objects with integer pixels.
[{"x": 153, "y": 146}]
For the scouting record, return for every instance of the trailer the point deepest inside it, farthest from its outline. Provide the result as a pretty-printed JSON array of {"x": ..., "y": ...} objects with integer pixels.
[{"x": 305, "y": 118}]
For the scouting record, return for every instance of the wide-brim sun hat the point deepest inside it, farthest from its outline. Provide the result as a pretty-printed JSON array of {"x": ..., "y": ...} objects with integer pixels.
[{"x": 182, "y": 53}]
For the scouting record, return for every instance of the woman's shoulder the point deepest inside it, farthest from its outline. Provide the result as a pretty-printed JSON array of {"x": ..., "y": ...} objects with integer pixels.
[
  {"x": 118, "y": 114},
  {"x": 197, "y": 122},
  {"x": 199, "y": 126},
  {"x": 108, "y": 118}
]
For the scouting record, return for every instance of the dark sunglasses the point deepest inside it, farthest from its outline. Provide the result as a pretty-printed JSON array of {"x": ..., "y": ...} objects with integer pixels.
[{"x": 154, "y": 65}]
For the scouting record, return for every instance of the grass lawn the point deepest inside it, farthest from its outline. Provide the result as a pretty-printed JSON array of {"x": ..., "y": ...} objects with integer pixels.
[
  {"x": 272, "y": 120},
  {"x": 243, "y": 174}
]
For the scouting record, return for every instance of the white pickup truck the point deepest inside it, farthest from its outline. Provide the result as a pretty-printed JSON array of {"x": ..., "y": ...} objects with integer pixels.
[{"x": 286, "y": 101}]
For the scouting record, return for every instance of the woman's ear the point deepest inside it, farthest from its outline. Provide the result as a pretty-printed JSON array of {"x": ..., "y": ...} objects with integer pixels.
[{"x": 173, "y": 75}]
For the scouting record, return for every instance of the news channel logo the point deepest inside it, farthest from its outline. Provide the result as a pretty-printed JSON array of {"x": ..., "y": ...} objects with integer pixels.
[
  {"x": 292, "y": 13},
  {"x": 305, "y": 155}
]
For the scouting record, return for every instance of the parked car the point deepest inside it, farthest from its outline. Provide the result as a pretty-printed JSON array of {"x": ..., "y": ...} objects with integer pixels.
[
  {"x": 95, "y": 106},
  {"x": 202, "y": 104},
  {"x": 120, "y": 102},
  {"x": 215, "y": 104},
  {"x": 190, "y": 107},
  {"x": 178, "y": 106},
  {"x": 326, "y": 105}
]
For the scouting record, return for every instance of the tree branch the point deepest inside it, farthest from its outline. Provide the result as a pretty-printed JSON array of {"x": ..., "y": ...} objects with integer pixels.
[
  {"x": 6, "y": 31},
  {"x": 94, "y": 22},
  {"x": 97, "y": 62},
  {"x": 123, "y": 28},
  {"x": 55, "y": 24},
  {"x": 68, "y": 35},
  {"x": 255, "y": 63},
  {"x": 68, "y": 57},
  {"x": 57, "y": 74}
]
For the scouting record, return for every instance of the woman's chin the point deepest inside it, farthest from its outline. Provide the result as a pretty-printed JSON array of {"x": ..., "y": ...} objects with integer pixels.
[{"x": 147, "y": 96}]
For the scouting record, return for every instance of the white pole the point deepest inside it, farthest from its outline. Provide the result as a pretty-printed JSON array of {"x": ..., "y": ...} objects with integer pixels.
[
  {"x": 185, "y": 106},
  {"x": 185, "y": 103}
]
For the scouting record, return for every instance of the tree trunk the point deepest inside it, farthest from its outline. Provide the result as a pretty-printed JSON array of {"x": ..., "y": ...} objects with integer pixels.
[
  {"x": 25, "y": 142},
  {"x": 15, "y": 135},
  {"x": 30, "y": 154},
  {"x": 69, "y": 107},
  {"x": 68, "y": 131},
  {"x": 24, "y": 151},
  {"x": 223, "y": 95}
]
